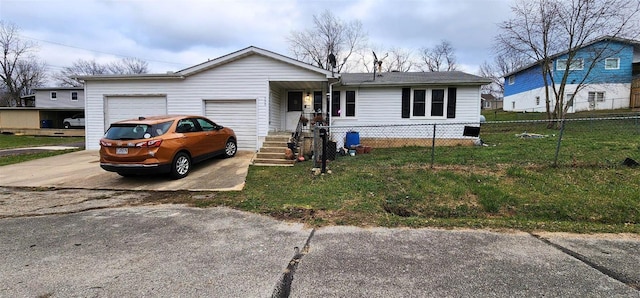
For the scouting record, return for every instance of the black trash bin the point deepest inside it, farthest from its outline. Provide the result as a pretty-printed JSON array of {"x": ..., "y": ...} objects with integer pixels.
[
  {"x": 46, "y": 124},
  {"x": 331, "y": 150}
]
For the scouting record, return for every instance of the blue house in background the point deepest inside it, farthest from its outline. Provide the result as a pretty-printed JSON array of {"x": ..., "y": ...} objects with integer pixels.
[{"x": 612, "y": 83}]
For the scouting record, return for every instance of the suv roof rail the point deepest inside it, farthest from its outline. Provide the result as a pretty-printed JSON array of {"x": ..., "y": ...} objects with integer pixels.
[{"x": 141, "y": 118}]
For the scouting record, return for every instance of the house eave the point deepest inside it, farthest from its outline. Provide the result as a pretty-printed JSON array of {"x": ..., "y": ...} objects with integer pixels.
[
  {"x": 168, "y": 76},
  {"x": 405, "y": 84},
  {"x": 252, "y": 50}
]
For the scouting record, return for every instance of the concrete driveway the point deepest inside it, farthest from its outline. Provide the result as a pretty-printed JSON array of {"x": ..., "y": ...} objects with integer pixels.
[{"x": 82, "y": 170}]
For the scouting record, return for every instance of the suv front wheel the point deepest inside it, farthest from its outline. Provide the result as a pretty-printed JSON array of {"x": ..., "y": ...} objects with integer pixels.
[
  {"x": 180, "y": 166},
  {"x": 230, "y": 148}
]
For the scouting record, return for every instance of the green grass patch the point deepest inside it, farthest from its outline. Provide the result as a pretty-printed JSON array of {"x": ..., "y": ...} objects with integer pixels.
[
  {"x": 18, "y": 158},
  {"x": 19, "y": 141},
  {"x": 371, "y": 190},
  {"x": 510, "y": 184}
]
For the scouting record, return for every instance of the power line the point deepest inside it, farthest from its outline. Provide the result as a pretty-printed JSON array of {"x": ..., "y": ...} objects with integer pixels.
[{"x": 100, "y": 52}]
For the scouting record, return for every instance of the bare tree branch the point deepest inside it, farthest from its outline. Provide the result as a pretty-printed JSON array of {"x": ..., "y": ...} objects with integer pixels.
[
  {"x": 329, "y": 35},
  {"x": 20, "y": 70},
  {"x": 439, "y": 58}
]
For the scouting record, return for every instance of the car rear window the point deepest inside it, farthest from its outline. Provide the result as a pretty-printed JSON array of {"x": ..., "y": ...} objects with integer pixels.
[{"x": 127, "y": 131}]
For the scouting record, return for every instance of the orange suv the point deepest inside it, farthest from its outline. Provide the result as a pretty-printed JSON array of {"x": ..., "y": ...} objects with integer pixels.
[{"x": 163, "y": 144}]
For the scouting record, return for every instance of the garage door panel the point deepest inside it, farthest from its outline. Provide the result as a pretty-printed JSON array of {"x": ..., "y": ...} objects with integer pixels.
[
  {"x": 123, "y": 107},
  {"x": 240, "y": 115}
]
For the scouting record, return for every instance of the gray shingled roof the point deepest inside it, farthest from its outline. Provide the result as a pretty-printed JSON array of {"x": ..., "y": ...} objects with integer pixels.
[{"x": 412, "y": 78}]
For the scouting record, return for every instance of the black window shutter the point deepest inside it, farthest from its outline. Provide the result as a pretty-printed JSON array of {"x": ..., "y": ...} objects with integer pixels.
[
  {"x": 406, "y": 102},
  {"x": 451, "y": 103}
]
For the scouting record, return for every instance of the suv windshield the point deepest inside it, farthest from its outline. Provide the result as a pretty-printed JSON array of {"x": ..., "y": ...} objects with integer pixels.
[{"x": 130, "y": 131}]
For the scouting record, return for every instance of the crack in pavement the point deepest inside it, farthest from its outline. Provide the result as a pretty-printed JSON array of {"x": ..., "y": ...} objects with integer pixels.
[
  {"x": 283, "y": 288},
  {"x": 604, "y": 270}
]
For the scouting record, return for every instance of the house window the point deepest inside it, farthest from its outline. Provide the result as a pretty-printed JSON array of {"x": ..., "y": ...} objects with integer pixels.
[
  {"x": 74, "y": 96},
  {"x": 570, "y": 99},
  {"x": 335, "y": 104},
  {"x": 54, "y": 95},
  {"x": 612, "y": 63},
  {"x": 294, "y": 101},
  {"x": 419, "y": 103},
  {"x": 406, "y": 103},
  {"x": 437, "y": 102},
  {"x": 596, "y": 96},
  {"x": 576, "y": 64},
  {"x": 512, "y": 80},
  {"x": 317, "y": 101},
  {"x": 451, "y": 102},
  {"x": 350, "y": 103}
]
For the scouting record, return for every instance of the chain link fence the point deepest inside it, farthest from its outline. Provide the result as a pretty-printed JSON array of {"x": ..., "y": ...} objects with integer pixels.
[{"x": 603, "y": 141}]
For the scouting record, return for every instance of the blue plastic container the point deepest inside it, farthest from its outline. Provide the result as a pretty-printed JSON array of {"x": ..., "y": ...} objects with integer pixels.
[{"x": 353, "y": 139}]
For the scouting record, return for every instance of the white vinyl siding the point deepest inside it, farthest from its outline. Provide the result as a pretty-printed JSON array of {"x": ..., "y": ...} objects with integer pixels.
[
  {"x": 275, "y": 106},
  {"x": 128, "y": 107},
  {"x": 384, "y": 105},
  {"x": 245, "y": 78},
  {"x": 239, "y": 115}
]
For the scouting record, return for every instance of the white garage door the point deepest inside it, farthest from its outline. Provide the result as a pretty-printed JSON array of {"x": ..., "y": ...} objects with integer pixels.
[
  {"x": 240, "y": 115},
  {"x": 127, "y": 107}
]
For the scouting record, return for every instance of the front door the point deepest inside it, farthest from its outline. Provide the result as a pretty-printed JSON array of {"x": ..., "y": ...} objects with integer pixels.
[{"x": 294, "y": 109}]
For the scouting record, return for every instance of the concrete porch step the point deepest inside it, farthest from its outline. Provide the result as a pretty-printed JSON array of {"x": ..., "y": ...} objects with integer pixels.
[
  {"x": 273, "y": 162},
  {"x": 274, "y": 144},
  {"x": 273, "y": 149},
  {"x": 283, "y": 139},
  {"x": 271, "y": 155}
]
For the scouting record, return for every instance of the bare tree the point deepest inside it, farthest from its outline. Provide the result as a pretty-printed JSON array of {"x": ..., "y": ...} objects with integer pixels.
[
  {"x": 542, "y": 29},
  {"x": 439, "y": 58},
  {"x": 21, "y": 70},
  {"x": 128, "y": 66},
  {"x": 329, "y": 43},
  {"x": 79, "y": 67},
  {"x": 498, "y": 68},
  {"x": 399, "y": 60},
  {"x": 393, "y": 59},
  {"x": 91, "y": 67}
]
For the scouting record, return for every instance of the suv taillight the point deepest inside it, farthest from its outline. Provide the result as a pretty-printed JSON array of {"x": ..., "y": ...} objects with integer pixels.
[
  {"x": 104, "y": 144},
  {"x": 149, "y": 144}
]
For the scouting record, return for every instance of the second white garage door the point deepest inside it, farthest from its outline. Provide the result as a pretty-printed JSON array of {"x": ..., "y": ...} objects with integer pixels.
[
  {"x": 240, "y": 115},
  {"x": 128, "y": 107}
]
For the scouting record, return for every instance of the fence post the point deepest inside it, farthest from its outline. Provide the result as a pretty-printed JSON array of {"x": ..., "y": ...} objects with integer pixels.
[
  {"x": 323, "y": 135},
  {"x": 433, "y": 145},
  {"x": 555, "y": 161}
]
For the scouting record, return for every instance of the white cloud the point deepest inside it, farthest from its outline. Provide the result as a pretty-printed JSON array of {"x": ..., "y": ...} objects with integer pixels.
[{"x": 189, "y": 32}]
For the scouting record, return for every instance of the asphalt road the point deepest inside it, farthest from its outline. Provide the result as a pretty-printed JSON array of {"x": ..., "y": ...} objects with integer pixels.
[{"x": 171, "y": 251}]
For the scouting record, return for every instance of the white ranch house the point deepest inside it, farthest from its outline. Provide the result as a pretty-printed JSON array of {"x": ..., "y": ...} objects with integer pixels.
[{"x": 256, "y": 91}]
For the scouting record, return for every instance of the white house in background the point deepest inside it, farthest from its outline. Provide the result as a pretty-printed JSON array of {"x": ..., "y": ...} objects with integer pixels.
[
  {"x": 256, "y": 91},
  {"x": 46, "y": 107}
]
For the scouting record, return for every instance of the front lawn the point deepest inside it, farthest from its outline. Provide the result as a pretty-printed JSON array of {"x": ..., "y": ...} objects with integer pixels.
[
  {"x": 8, "y": 141},
  {"x": 397, "y": 187}
]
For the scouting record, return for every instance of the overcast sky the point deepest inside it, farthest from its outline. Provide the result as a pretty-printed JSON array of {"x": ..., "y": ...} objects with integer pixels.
[{"x": 175, "y": 34}]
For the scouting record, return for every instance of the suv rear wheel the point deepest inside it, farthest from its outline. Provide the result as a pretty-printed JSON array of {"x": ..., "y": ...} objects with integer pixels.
[{"x": 180, "y": 166}]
